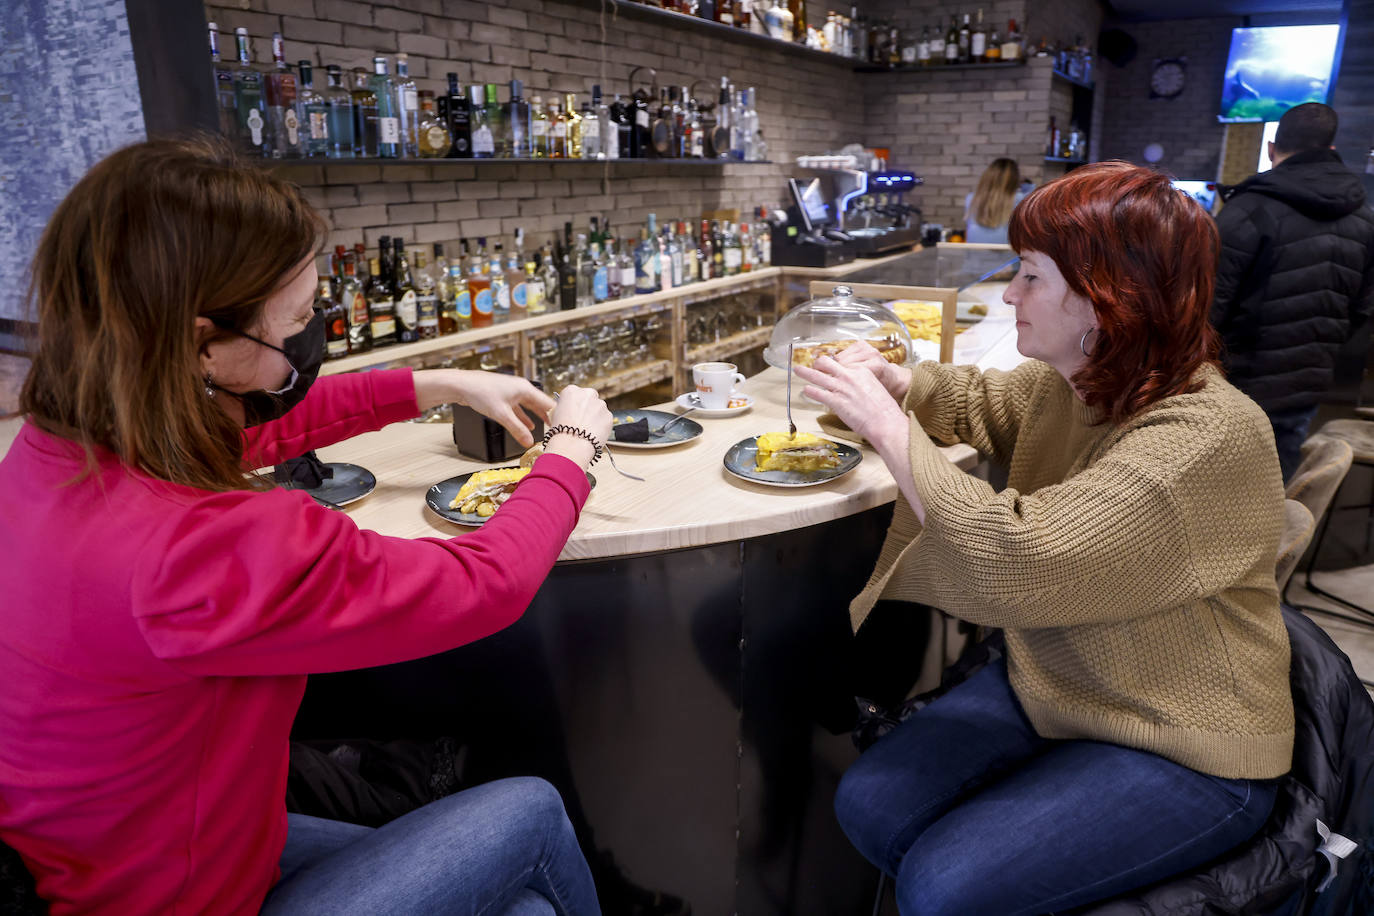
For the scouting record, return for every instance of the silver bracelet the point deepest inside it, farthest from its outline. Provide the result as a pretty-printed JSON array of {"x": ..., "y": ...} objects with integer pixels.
[{"x": 578, "y": 431}]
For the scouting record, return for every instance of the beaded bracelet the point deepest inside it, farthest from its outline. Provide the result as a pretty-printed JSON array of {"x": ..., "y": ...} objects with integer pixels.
[{"x": 574, "y": 431}]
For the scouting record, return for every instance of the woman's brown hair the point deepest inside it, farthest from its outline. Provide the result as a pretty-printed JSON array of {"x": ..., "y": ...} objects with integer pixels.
[
  {"x": 153, "y": 236},
  {"x": 996, "y": 193},
  {"x": 1144, "y": 254}
]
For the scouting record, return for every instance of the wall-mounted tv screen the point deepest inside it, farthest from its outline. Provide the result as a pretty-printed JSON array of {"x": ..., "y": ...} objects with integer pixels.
[{"x": 1272, "y": 68}]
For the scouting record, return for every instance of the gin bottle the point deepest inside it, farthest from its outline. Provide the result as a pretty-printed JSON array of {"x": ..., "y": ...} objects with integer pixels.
[
  {"x": 279, "y": 90},
  {"x": 388, "y": 120},
  {"x": 407, "y": 108},
  {"x": 252, "y": 117},
  {"x": 312, "y": 112},
  {"x": 224, "y": 87}
]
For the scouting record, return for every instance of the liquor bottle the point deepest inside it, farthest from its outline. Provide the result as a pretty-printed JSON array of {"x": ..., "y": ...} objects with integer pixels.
[
  {"x": 1052, "y": 141},
  {"x": 965, "y": 37},
  {"x": 695, "y": 142},
  {"x": 462, "y": 294},
  {"x": 624, "y": 266},
  {"x": 248, "y": 103},
  {"x": 1011, "y": 44},
  {"x": 717, "y": 249},
  {"x": 746, "y": 248},
  {"x": 673, "y": 247},
  {"x": 923, "y": 48},
  {"x": 609, "y": 127},
  {"x": 592, "y": 123},
  {"x": 591, "y": 133},
  {"x": 798, "y": 10},
  {"x": 483, "y": 132},
  {"x": 734, "y": 253},
  {"x": 548, "y": 273},
  {"x": 500, "y": 289},
  {"x": 994, "y": 52},
  {"x": 381, "y": 308},
  {"x": 753, "y": 142},
  {"x": 978, "y": 41},
  {"x": 279, "y": 92},
  {"x": 517, "y": 118},
  {"x": 641, "y": 135},
  {"x": 567, "y": 272},
  {"x": 354, "y": 301},
  {"x": 335, "y": 322},
  {"x": 312, "y": 113},
  {"x": 705, "y": 253},
  {"x": 622, "y": 126},
  {"x": 224, "y": 87},
  {"x": 742, "y": 15},
  {"x": 496, "y": 122},
  {"x": 479, "y": 286},
  {"x": 725, "y": 12},
  {"x": 534, "y": 289},
  {"x": 433, "y": 137},
  {"x": 663, "y": 130},
  {"x": 515, "y": 278},
  {"x": 405, "y": 296},
  {"x": 341, "y": 142},
  {"x": 573, "y": 122},
  {"x": 601, "y": 274},
  {"x": 558, "y": 132},
  {"x": 459, "y": 120},
  {"x": 663, "y": 260},
  {"x": 539, "y": 129},
  {"x": 388, "y": 114},
  {"x": 336, "y": 269},
  {"x": 677, "y": 101},
  {"x": 952, "y": 41},
  {"x": 894, "y": 47},
  {"x": 407, "y": 107},
  {"x": 360, "y": 259},
  {"x": 447, "y": 290},
  {"x": 645, "y": 255},
  {"x": 364, "y": 114},
  {"x": 586, "y": 268},
  {"x": 426, "y": 297}
]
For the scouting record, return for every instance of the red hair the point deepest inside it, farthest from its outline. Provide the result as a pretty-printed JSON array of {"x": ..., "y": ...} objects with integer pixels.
[{"x": 1144, "y": 254}]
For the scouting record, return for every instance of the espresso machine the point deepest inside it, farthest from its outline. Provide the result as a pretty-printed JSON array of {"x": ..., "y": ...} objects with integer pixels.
[
  {"x": 872, "y": 210},
  {"x": 840, "y": 211}
]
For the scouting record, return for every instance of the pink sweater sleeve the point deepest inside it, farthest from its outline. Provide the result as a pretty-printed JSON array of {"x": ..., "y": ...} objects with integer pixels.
[
  {"x": 269, "y": 583},
  {"x": 338, "y": 407}
]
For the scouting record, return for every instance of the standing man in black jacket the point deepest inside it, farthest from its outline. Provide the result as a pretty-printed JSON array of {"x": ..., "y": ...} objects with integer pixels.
[{"x": 1296, "y": 276}]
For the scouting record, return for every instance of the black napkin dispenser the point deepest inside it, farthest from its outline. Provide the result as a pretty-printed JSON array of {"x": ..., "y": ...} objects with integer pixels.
[{"x": 486, "y": 440}]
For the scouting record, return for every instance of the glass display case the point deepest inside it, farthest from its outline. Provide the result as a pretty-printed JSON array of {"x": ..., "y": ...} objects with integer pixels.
[{"x": 826, "y": 325}]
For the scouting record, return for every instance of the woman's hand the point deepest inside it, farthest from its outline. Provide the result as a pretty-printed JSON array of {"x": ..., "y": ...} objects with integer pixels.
[
  {"x": 856, "y": 396},
  {"x": 492, "y": 394},
  {"x": 581, "y": 408},
  {"x": 896, "y": 379}
]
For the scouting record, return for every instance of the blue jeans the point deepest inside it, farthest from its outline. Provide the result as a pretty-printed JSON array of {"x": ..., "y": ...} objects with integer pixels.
[
  {"x": 1290, "y": 432},
  {"x": 974, "y": 813},
  {"x": 504, "y": 849}
]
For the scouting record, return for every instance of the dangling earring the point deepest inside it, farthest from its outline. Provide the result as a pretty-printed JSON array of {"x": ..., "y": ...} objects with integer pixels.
[
  {"x": 1083, "y": 344},
  {"x": 209, "y": 384}
]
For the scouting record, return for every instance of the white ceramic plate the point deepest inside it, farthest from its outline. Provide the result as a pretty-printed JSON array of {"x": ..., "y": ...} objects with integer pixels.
[
  {"x": 742, "y": 457},
  {"x": 689, "y": 400},
  {"x": 684, "y": 430}
]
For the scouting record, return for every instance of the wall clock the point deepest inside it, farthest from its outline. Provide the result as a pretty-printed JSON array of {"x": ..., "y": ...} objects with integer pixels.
[{"x": 1168, "y": 77}]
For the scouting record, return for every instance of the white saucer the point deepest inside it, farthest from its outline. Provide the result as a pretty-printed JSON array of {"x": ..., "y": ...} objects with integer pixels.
[{"x": 689, "y": 400}]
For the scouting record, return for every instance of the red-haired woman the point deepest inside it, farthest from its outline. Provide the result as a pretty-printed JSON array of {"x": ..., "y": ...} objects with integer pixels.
[{"x": 1142, "y": 714}]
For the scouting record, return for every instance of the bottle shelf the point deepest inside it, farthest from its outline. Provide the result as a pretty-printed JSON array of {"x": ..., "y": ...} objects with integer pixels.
[
  {"x": 632, "y": 10},
  {"x": 941, "y": 67},
  {"x": 728, "y": 346},
  {"x": 1066, "y": 161},
  {"x": 315, "y": 161}
]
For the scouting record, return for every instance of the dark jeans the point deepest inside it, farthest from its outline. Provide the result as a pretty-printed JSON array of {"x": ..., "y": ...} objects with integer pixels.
[
  {"x": 1290, "y": 432},
  {"x": 973, "y": 813}
]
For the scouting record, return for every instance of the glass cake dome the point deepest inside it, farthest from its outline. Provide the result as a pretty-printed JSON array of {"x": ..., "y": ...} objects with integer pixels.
[{"x": 824, "y": 327}]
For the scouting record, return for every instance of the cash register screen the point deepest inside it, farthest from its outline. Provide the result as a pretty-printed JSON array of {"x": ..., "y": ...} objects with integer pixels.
[{"x": 810, "y": 202}]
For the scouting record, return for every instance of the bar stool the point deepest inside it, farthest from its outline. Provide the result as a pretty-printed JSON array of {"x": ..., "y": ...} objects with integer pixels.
[{"x": 1359, "y": 436}]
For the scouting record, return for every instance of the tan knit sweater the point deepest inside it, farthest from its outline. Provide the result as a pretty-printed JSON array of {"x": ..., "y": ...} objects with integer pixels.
[{"x": 1132, "y": 566}]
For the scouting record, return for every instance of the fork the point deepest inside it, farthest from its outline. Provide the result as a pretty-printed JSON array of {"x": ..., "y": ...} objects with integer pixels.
[
  {"x": 791, "y": 427},
  {"x": 664, "y": 428}
]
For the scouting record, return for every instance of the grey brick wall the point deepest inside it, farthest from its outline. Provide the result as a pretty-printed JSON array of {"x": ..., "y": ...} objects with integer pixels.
[{"x": 806, "y": 106}]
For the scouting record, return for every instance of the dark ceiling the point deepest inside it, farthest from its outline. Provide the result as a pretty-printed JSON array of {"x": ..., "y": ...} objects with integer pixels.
[{"x": 1193, "y": 9}]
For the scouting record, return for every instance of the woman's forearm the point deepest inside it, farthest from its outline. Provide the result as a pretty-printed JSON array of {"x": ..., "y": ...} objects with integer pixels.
[{"x": 892, "y": 443}]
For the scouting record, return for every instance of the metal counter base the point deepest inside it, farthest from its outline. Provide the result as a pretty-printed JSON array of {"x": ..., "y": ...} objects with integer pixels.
[{"x": 693, "y": 707}]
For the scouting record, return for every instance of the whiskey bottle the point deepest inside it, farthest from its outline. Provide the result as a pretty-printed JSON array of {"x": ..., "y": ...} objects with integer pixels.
[
  {"x": 279, "y": 90},
  {"x": 1011, "y": 44},
  {"x": 335, "y": 322},
  {"x": 459, "y": 112},
  {"x": 341, "y": 142},
  {"x": 446, "y": 288},
  {"x": 312, "y": 113},
  {"x": 224, "y": 87},
  {"x": 573, "y": 121},
  {"x": 407, "y": 108},
  {"x": 558, "y": 132},
  {"x": 426, "y": 296},
  {"x": 978, "y": 41},
  {"x": 352, "y": 298},
  {"x": 994, "y": 52},
  {"x": 248, "y": 103},
  {"x": 952, "y": 42},
  {"x": 381, "y": 308},
  {"x": 434, "y": 139},
  {"x": 567, "y": 272},
  {"x": 364, "y": 115},
  {"x": 539, "y": 129},
  {"x": 388, "y": 118}
]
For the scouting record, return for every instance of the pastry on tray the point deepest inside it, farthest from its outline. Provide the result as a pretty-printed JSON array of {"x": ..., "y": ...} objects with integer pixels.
[
  {"x": 802, "y": 452},
  {"x": 890, "y": 348}
]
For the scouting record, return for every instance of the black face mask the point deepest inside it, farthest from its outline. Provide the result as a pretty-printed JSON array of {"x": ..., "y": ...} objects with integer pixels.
[{"x": 304, "y": 352}]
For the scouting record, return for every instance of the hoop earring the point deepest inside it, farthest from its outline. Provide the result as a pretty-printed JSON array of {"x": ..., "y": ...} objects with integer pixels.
[
  {"x": 1083, "y": 344},
  {"x": 209, "y": 384}
]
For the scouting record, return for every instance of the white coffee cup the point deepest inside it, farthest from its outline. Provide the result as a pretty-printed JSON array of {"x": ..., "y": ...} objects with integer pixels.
[{"x": 715, "y": 383}]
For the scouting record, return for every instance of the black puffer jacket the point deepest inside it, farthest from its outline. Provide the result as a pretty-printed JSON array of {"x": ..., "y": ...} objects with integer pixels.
[
  {"x": 1279, "y": 870},
  {"x": 1296, "y": 277}
]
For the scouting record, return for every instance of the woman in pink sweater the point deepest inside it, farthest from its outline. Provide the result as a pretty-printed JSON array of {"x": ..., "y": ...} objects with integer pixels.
[{"x": 164, "y": 607}]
